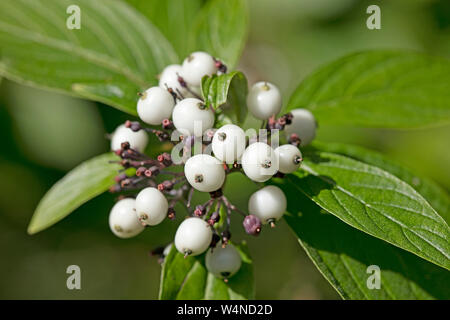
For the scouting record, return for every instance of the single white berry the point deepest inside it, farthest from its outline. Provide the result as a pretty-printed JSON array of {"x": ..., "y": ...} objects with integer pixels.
[
  {"x": 259, "y": 162},
  {"x": 204, "y": 172},
  {"x": 264, "y": 100},
  {"x": 196, "y": 66},
  {"x": 123, "y": 221},
  {"x": 289, "y": 158},
  {"x": 268, "y": 204},
  {"x": 223, "y": 262},
  {"x": 192, "y": 117},
  {"x": 228, "y": 143},
  {"x": 137, "y": 140},
  {"x": 169, "y": 79},
  {"x": 303, "y": 124},
  {"x": 155, "y": 105},
  {"x": 151, "y": 206},
  {"x": 193, "y": 236}
]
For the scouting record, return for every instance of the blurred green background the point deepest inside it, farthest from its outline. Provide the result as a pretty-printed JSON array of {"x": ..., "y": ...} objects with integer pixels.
[{"x": 45, "y": 134}]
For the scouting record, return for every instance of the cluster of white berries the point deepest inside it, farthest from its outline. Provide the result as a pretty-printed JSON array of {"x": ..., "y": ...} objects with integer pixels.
[{"x": 176, "y": 104}]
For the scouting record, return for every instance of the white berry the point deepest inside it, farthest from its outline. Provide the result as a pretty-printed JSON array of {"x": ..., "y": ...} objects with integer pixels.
[
  {"x": 204, "y": 172},
  {"x": 268, "y": 204},
  {"x": 289, "y": 158},
  {"x": 228, "y": 143},
  {"x": 169, "y": 79},
  {"x": 196, "y": 66},
  {"x": 192, "y": 117},
  {"x": 264, "y": 100},
  {"x": 123, "y": 221},
  {"x": 193, "y": 236},
  {"x": 137, "y": 140},
  {"x": 304, "y": 125},
  {"x": 223, "y": 262},
  {"x": 151, "y": 206},
  {"x": 259, "y": 162},
  {"x": 155, "y": 105}
]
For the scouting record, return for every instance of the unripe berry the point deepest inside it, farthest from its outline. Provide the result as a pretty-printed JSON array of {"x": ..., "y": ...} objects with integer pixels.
[
  {"x": 223, "y": 262},
  {"x": 268, "y": 204},
  {"x": 204, "y": 172},
  {"x": 193, "y": 236},
  {"x": 137, "y": 140},
  {"x": 122, "y": 219},
  {"x": 228, "y": 143},
  {"x": 289, "y": 158},
  {"x": 264, "y": 100},
  {"x": 169, "y": 79},
  {"x": 196, "y": 66},
  {"x": 259, "y": 162},
  {"x": 155, "y": 105},
  {"x": 252, "y": 224},
  {"x": 303, "y": 124},
  {"x": 192, "y": 117},
  {"x": 151, "y": 206}
]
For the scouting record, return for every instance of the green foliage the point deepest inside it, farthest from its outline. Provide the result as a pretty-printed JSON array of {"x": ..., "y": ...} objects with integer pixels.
[
  {"x": 376, "y": 202},
  {"x": 80, "y": 185},
  {"x": 215, "y": 26},
  {"x": 350, "y": 207},
  {"x": 174, "y": 18},
  {"x": 221, "y": 30},
  {"x": 378, "y": 89},
  {"x": 188, "y": 278},
  {"x": 343, "y": 254},
  {"x": 433, "y": 193},
  {"x": 114, "y": 55},
  {"x": 227, "y": 92}
]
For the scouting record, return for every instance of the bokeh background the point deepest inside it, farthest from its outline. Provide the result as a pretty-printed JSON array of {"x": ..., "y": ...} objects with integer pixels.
[{"x": 43, "y": 135}]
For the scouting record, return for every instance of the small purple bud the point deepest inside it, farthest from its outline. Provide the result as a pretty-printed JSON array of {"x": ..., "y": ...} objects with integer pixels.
[
  {"x": 140, "y": 171},
  {"x": 165, "y": 159},
  {"x": 216, "y": 194},
  {"x": 115, "y": 188},
  {"x": 167, "y": 124},
  {"x": 288, "y": 116},
  {"x": 252, "y": 224},
  {"x": 166, "y": 185},
  {"x": 171, "y": 213},
  {"x": 294, "y": 139},
  {"x": 199, "y": 211},
  {"x": 120, "y": 177},
  {"x": 151, "y": 172},
  {"x": 226, "y": 236},
  {"x": 215, "y": 240},
  {"x": 125, "y": 145},
  {"x": 215, "y": 217}
]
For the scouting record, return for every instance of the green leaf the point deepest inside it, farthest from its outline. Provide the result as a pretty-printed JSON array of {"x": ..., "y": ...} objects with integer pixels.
[
  {"x": 215, "y": 26},
  {"x": 80, "y": 185},
  {"x": 432, "y": 192},
  {"x": 190, "y": 280},
  {"x": 174, "y": 18},
  {"x": 343, "y": 254},
  {"x": 115, "y": 54},
  {"x": 221, "y": 29},
  {"x": 376, "y": 202},
  {"x": 378, "y": 89},
  {"x": 227, "y": 92}
]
